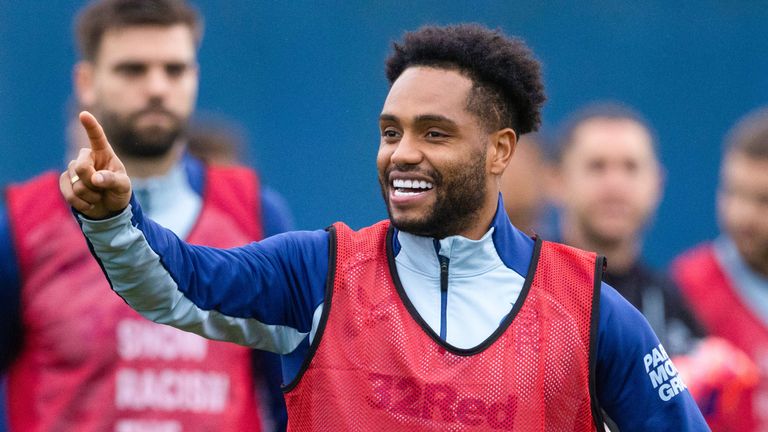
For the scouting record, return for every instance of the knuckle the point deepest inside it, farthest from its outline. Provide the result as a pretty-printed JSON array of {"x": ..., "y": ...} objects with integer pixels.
[
  {"x": 79, "y": 206},
  {"x": 80, "y": 191}
]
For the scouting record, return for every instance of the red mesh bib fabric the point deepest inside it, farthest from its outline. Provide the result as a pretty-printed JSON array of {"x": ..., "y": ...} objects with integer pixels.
[
  {"x": 91, "y": 363},
  {"x": 376, "y": 369}
]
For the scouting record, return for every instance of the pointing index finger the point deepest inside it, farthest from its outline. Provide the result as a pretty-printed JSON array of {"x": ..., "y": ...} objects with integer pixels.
[{"x": 95, "y": 133}]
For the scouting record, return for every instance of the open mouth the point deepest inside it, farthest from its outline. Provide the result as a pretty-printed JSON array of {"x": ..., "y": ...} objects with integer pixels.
[{"x": 409, "y": 187}]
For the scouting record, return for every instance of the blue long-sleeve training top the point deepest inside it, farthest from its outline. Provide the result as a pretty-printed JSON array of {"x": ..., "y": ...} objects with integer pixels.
[{"x": 269, "y": 295}]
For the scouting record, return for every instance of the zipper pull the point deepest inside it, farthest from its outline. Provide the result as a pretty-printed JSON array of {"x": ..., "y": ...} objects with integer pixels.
[
  {"x": 443, "y": 296},
  {"x": 443, "y": 273}
]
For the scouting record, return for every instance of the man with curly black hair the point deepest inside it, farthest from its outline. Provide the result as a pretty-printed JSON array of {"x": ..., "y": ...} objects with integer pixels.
[
  {"x": 444, "y": 316},
  {"x": 506, "y": 79}
]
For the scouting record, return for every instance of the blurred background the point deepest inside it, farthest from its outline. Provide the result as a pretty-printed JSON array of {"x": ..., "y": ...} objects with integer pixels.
[{"x": 306, "y": 80}]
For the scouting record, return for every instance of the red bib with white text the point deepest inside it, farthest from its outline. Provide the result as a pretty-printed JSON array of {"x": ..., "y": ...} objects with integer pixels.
[{"x": 89, "y": 362}]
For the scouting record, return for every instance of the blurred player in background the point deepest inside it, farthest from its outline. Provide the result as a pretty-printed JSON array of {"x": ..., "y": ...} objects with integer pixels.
[
  {"x": 523, "y": 185},
  {"x": 726, "y": 280},
  {"x": 79, "y": 358},
  {"x": 608, "y": 183}
]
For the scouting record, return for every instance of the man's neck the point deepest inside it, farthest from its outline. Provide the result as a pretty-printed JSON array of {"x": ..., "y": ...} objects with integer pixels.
[
  {"x": 621, "y": 255},
  {"x": 139, "y": 167}
]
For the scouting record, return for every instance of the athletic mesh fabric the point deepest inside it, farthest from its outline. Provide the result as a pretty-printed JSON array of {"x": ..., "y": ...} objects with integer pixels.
[
  {"x": 90, "y": 362},
  {"x": 376, "y": 369}
]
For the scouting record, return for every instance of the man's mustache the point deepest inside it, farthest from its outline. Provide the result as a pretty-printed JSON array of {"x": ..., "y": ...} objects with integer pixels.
[{"x": 154, "y": 109}]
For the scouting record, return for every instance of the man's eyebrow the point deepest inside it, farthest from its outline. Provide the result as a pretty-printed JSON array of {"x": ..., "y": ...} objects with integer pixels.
[
  {"x": 424, "y": 118},
  {"x": 141, "y": 62},
  {"x": 388, "y": 118},
  {"x": 434, "y": 118},
  {"x": 123, "y": 63}
]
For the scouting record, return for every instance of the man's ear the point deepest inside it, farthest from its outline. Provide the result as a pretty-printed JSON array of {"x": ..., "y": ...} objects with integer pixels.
[
  {"x": 83, "y": 83},
  {"x": 502, "y": 147}
]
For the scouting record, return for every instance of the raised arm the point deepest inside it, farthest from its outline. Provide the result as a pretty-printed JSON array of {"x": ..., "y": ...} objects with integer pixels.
[{"x": 262, "y": 295}]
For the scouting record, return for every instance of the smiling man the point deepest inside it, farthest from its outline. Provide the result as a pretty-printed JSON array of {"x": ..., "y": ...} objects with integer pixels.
[
  {"x": 444, "y": 316},
  {"x": 432, "y": 157}
]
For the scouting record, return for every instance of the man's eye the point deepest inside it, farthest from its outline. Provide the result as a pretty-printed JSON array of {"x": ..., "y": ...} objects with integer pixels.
[
  {"x": 175, "y": 70},
  {"x": 389, "y": 133},
  {"x": 131, "y": 70},
  {"x": 632, "y": 166},
  {"x": 435, "y": 134},
  {"x": 596, "y": 166}
]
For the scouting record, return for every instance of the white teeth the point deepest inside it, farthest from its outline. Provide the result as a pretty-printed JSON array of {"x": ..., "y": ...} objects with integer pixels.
[
  {"x": 399, "y": 192},
  {"x": 411, "y": 184}
]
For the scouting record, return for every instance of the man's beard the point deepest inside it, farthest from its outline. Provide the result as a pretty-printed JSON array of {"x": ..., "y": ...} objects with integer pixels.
[
  {"x": 149, "y": 142},
  {"x": 460, "y": 192},
  {"x": 753, "y": 250}
]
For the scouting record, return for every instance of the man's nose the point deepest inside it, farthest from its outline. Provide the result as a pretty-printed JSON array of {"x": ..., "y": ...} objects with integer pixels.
[
  {"x": 407, "y": 152},
  {"x": 617, "y": 178},
  {"x": 157, "y": 82}
]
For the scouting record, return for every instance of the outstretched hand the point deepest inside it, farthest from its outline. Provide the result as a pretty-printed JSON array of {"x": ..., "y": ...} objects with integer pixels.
[{"x": 96, "y": 183}]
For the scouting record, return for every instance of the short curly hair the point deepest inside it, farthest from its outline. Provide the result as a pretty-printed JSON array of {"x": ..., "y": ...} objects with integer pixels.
[
  {"x": 99, "y": 16},
  {"x": 507, "y": 88}
]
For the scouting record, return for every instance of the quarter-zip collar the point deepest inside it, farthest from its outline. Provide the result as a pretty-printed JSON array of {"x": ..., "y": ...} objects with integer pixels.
[
  {"x": 502, "y": 244},
  {"x": 154, "y": 192},
  {"x": 169, "y": 199},
  {"x": 444, "y": 282}
]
